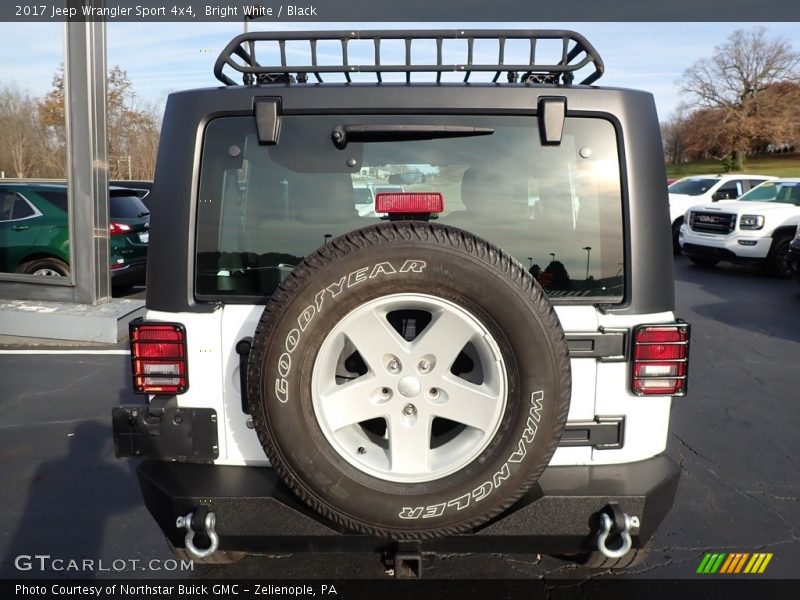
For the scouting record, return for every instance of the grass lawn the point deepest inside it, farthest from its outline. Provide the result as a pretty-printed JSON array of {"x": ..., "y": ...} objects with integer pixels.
[{"x": 782, "y": 165}]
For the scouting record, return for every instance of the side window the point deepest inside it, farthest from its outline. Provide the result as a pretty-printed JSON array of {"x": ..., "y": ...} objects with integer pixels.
[
  {"x": 6, "y": 205},
  {"x": 754, "y": 182},
  {"x": 14, "y": 207},
  {"x": 22, "y": 209},
  {"x": 729, "y": 191}
]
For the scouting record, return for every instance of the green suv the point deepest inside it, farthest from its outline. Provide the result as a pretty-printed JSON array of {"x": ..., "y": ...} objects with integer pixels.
[{"x": 34, "y": 234}]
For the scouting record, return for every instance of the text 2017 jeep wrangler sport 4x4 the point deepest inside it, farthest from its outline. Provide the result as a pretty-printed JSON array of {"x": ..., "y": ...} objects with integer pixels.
[{"x": 484, "y": 361}]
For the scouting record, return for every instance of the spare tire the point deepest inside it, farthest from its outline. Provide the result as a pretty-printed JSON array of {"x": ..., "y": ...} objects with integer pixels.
[{"x": 409, "y": 380}]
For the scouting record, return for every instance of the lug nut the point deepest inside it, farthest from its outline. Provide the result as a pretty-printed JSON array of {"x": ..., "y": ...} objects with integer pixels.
[
  {"x": 409, "y": 410},
  {"x": 393, "y": 365},
  {"x": 426, "y": 364},
  {"x": 433, "y": 392}
]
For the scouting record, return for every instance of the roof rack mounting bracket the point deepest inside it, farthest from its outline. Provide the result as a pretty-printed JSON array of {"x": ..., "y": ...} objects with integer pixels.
[
  {"x": 268, "y": 120},
  {"x": 552, "y": 111}
]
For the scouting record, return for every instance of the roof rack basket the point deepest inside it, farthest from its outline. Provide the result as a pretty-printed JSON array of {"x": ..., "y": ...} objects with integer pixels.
[{"x": 576, "y": 53}]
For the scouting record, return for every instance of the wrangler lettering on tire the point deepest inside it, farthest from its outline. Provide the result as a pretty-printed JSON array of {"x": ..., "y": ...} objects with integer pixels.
[{"x": 409, "y": 380}]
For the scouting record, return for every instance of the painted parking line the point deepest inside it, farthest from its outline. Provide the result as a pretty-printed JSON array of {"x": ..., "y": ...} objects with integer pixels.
[{"x": 66, "y": 352}]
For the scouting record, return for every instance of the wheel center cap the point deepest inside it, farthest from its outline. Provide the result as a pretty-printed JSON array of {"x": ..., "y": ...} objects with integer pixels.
[{"x": 409, "y": 386}]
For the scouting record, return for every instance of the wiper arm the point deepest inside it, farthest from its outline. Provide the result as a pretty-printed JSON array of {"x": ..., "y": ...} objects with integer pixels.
[{"x": 345, "y": 134}]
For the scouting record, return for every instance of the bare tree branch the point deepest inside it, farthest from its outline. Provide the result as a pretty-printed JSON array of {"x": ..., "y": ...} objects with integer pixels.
[{"x": 735, "y": 94}]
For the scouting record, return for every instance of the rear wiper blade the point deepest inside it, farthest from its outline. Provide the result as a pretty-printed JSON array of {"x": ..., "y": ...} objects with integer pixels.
[
  {"x": 144, "y": 214},
  {"x": 345, "y": 134}
]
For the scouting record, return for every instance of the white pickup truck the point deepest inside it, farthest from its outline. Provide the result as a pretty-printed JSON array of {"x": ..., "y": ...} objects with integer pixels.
[
  {"x": 689, "y": 191},
  {"x": 756, "y": 228}
]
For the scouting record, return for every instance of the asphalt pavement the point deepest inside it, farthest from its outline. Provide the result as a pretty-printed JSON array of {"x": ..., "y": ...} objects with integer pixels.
[{"x": 63, "y": 493}]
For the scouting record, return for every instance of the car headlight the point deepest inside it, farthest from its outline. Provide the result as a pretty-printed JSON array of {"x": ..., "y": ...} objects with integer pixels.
[{"x": 751, "y": 222}]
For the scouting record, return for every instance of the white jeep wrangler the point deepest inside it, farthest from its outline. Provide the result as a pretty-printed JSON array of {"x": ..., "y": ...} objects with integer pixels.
[{"x": 484, "y": 361}]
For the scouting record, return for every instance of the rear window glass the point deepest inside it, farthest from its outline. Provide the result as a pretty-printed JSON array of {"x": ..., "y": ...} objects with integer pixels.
[
  {"x": 127, "y": 207},
  {"x": 556, "y": 209}
]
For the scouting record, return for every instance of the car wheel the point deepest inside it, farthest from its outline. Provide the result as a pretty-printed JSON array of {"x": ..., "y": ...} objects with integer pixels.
[
  {"x": 702, "y": 261},
  {"x": 778, "y": 258},
  {"x": 45, "y": 267},
  {"x": 676, "y": 229},
  {"x": 409, "y": 380}
]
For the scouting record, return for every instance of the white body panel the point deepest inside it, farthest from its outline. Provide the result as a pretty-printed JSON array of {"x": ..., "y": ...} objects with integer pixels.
[{"x": 598, "y": 388}]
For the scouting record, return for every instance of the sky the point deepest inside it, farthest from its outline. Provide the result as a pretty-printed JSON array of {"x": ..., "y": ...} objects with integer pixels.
[{"x": 164, "y": 57}]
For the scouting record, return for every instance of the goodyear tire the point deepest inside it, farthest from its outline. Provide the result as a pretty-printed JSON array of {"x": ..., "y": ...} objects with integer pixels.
[{"x": 409, "y": 380}]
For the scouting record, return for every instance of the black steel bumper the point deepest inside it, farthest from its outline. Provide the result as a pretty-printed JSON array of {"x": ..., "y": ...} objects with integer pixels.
[{"x": 256, "y": 513}]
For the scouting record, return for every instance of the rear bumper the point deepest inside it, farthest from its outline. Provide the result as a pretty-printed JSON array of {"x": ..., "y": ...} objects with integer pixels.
[{"x": 256, "y": 513}]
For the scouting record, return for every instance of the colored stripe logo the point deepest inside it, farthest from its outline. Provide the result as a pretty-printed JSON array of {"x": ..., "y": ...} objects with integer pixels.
[{"x": 734, "y": 563}]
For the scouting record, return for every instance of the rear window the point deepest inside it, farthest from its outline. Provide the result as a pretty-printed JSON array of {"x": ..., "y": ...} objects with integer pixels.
[
  {"x": 127, "y": 207},
  {"x": 556, "y": 209}
]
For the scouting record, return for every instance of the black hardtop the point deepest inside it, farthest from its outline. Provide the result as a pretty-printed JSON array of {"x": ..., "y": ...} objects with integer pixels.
[{"x": 648, "y": 278}]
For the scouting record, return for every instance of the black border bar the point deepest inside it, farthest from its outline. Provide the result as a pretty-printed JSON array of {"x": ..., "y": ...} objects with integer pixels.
[{"x": 417, "y": 11}]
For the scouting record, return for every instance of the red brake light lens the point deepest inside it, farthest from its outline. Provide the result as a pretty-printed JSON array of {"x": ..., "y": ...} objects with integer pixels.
[
  {"x": 409, "y": 202},
  {"x": 660, "y": 352},
  {"x": 158, "y": 358},
  {"x": 660, "y": 360},
  {"x": 118, "y": 228}
]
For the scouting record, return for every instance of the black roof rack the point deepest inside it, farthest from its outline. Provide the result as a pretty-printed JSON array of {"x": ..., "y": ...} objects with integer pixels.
[{"x": 576, "y": 53}]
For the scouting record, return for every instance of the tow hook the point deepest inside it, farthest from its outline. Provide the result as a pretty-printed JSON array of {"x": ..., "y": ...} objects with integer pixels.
[
  {"x": 201, "y": 522},
  {"x": 614, "y": 520}
]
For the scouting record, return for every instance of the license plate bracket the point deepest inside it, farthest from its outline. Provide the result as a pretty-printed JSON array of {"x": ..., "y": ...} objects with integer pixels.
[{"x": 182, "y": 434}]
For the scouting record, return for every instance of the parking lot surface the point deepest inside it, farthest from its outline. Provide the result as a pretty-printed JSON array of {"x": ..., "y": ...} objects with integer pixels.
[{"x": 735, "y": 435}]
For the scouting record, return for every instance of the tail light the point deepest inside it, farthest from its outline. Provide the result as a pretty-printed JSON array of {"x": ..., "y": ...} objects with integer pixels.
[
  {"x": 660, "y": 359},
  {"x": 118, "y": 228},
  {"x": 158, "y": 358},
  {"x": 409, "y": 203}
]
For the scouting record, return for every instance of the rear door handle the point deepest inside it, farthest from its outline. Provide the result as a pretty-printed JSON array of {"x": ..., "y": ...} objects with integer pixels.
[{"x": 20, "y": 227}]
